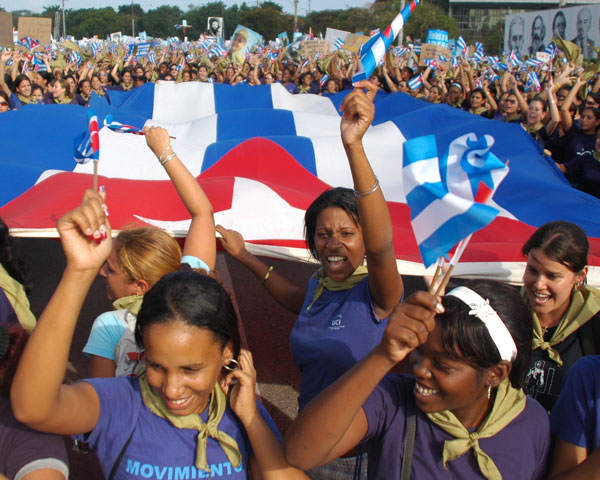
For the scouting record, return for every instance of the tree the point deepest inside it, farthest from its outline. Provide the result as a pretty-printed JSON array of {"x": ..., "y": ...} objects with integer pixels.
[
  {"x": 161, "y": 22},
  {"x": 268, "y": 20},
  {"x": 87, "y": 22},
  {"x": 427, "y": 16}
]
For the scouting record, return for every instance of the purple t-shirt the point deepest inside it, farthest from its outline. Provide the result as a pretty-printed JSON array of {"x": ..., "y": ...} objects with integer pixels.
[
  {"x": 576, "y": 414},
  {"x": 519, "y": 450},
  {"x": 157, "y": 449},
  {"x": 327, "y": 340},
  {"x": 23, "y": 450}
]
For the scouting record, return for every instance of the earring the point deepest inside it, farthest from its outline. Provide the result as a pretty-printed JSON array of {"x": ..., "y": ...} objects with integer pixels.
[
  {"x": 236, "y": 365},
  {"x": 489, "y": 392}
]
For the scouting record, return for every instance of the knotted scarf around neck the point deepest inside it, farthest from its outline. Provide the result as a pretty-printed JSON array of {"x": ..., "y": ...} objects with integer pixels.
[
  {"x": 216, "y": 409},
  {"x": 27, "y": 100},
  {"x": 327, "y": 283},
  {"x": 133, "y": 303},
  {"x": 508, "y": 404},
  {"x": 478, "y": 110},
  {"x": 15, "y": 293},
  {"x": 63, "y": 101},
  {"x": 532, "y": 130},
  {"x": 513, "y": 117},
  {"x": 585, "y": 303}
]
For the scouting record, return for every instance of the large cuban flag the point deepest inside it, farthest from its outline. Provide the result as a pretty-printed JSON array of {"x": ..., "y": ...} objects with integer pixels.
[{"x": 262, "y": 155}]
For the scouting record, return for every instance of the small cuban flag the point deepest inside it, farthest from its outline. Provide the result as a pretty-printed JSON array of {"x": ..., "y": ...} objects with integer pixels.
[
  {"x": 416, "y": 82},
  {"x": 339, "y": 43},
  {"x": 461, "y": 44},
  {"x": 533, "y": 82},
  {"x": 110, "y": 123},
  {"x": 87, "y": 145},
  {"x": 447, "y": 194},
  {"x": 323, "y": 81}
]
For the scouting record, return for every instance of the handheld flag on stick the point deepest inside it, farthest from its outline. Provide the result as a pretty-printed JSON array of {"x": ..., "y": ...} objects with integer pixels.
[
  {"x": 87, "y": 146},
  {"x": 447, "y": 195},
  {"x": 374, "y": 50},
  {"x": 110, "y": 123}
]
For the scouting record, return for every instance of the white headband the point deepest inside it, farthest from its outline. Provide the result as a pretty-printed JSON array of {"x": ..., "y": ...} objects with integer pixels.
[{"x": 496, "y": 328}]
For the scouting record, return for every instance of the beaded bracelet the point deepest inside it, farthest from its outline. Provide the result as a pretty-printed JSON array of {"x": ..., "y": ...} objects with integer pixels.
[
  {"x": 161, "y": 158},
  {"x": 169, "y": 157},
  {"x": 268, "y": 274},
  {"x": 375, "y": 186}
]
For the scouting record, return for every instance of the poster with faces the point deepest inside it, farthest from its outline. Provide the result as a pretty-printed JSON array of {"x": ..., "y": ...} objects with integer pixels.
[{"x": 530, "y": 32}]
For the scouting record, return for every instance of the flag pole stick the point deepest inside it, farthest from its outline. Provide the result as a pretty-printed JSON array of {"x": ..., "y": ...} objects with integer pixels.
[
  {"x": 460, "y": 248},
  {"x": 95, "y": 184},
  {"x": 438, "y": 270}
]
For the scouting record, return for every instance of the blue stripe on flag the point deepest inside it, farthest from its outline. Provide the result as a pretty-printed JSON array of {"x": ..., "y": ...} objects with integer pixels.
[
  {"x": 422, "y": 196},
  {"x": 241, "y": 97},
  {"x": 450, "y": 233},
  {"x": 254, "y": 123},
  {"x": 419, "y": 149}
]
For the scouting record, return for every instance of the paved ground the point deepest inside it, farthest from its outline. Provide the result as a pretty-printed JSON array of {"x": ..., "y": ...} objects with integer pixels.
[{"x": 266, "y": 328}]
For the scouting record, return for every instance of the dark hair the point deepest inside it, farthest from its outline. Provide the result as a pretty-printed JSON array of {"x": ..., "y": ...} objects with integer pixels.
[
  {"x": 563, "y": 242},
  {"x": 12, "y": 343},
  {"x": 16, "y": 265},
  {"x": 467, "y": 339},
  {"x": 17, "y": 82},
  {"x": 477, "y": 90},
  {"x": 595, "y": 111},
  {"x": 194, "y": 299},
  {"x": 540, "y": 100},
  {"x": 339, "y": 197},
  {"x": 5, "y": 97}
]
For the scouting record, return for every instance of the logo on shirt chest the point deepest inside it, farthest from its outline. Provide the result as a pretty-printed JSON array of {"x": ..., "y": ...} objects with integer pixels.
[{"x": 336, "y": 323}]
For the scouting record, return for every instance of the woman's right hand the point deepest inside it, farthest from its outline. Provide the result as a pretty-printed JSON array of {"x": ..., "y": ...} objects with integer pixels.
[
  {"x": 85, "y": 233},
  {"x": 232, "y": 241},
  {"x": 409, "y": 326}
]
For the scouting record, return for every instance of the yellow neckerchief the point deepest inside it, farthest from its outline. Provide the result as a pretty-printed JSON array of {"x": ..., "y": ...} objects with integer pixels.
[
  {"x": 133, "y": 303},
  {"x": 216, "y": 409},
  {"x": 126, "y": 87},
  {"x": 508, "y": 405},
  {"x": 304, "y": 88},
  {"x": 100, "y": 92},
  {"x": 477, "y": 111},
  {"x": 63, "y": 101},
  {"x": 512, "y": 118},
  {"x": 26, "y": 100},
  {"x": 532, "y": 130},
  {"x": 17, "y": 297},
  {"x": 85, "y": 97},
  {"x": 327, "y": 283},
  {"x": 585, "y": 303},
  {"x": 456, "y": 104}
]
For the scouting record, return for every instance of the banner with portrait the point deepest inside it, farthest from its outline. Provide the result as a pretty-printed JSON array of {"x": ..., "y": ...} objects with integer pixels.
[
  {"x": 242, "y": 40},
  {"x": 214, "y": 27},
  {"x": 531, "y": 32}
]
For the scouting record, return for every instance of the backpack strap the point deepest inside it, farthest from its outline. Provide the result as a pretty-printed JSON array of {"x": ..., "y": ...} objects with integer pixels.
[{"x": 409, "y": 444}]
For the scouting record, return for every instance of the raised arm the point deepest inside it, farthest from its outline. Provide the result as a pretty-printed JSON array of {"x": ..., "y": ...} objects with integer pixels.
[
  {"x": 385, "y": 283},
  {"x": 565, "y": 115},
  {"x": 287, "y": 294},
  {"x": 334, "y": 421},
  {"x": 3, "y": 59},
  {"x": 200, "y": 241},
  {"x": 554, "y": 114},
  {"x": 39, "y": 399}
]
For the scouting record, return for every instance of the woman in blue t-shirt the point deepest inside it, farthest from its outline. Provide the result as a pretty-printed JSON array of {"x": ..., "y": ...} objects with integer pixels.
[
  {"x": 140, "y": 257},
  {"x": 343, "y": 310},
  {"x": 192, "y": 413}
]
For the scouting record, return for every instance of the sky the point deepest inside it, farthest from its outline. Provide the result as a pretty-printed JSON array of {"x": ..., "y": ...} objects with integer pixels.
[{"x": 37, "y": 6}]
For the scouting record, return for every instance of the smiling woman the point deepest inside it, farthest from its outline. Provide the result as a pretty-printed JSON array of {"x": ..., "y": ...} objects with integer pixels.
[
  {"x": 565, "y": 311},
  {"x": 344, "y": 309},
  {"x": 463, "y": 404},
  {"x": 175, "y": 419}
]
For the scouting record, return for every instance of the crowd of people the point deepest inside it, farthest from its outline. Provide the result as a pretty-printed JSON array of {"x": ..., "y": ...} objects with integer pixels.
[
  {"x": 561, "y": 113},
  {"x": 504, "y": 383}
]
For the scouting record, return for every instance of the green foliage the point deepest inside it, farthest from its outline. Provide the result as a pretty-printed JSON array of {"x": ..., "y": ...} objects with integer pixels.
[
  {"x": 427, "y": 16},
  {"x": 87, "y": 22}
]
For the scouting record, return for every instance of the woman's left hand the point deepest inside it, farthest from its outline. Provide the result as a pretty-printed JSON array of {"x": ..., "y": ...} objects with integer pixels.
[
  {"x": 358, "y": 111},
  {"x": 243, "y": 383}
]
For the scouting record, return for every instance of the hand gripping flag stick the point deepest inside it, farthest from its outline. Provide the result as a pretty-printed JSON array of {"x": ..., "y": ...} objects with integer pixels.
[
  {"x": 372, "y": 52},
  {"x": 87, "y": 145}
]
